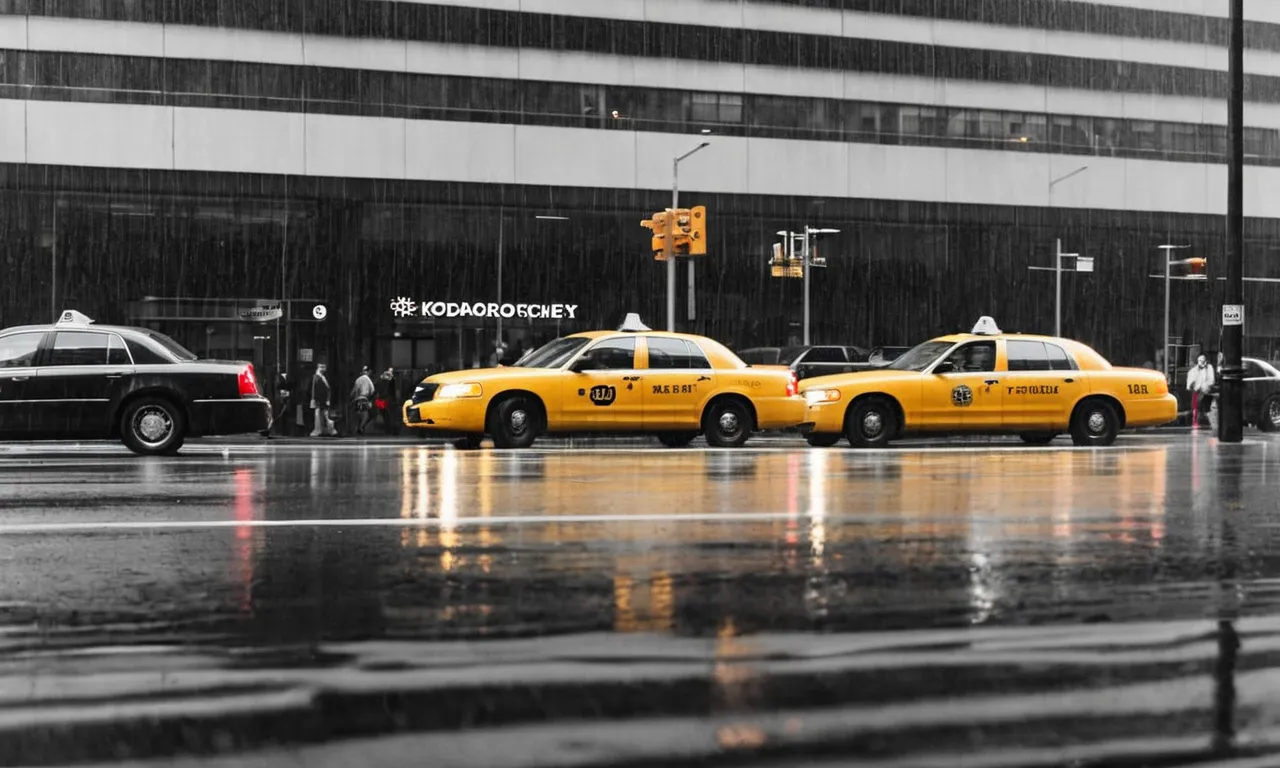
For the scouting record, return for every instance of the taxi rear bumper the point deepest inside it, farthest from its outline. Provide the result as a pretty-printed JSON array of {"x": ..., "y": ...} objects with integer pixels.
[
  {"x": 779, "y": 412},
  {"x": 1151, "y": 412}
]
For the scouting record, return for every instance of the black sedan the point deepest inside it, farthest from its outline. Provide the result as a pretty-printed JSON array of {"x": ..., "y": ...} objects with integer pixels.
[
  {"x": 1261, "y": 394},
  {"x": 77, "y": 380}
]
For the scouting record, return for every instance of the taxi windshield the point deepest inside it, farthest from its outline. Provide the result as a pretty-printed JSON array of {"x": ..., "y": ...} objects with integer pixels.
[
  {"x": 920, "y": 356},
  {"x": 553, "y": 354}
]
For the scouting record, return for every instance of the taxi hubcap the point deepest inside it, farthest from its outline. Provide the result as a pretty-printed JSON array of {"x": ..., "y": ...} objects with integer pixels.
[
  {"x": 1273, "y": 411},
  {"x": 729, "y": 422},
  {"x": 1097, "y": 423},
  {"x": 872, "y": 424},
  {"x": 152, "y": 424},
  {"x": 519, "y": 420}
]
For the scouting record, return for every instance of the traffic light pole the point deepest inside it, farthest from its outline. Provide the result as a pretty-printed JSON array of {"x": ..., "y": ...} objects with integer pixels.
[
  {"x": 807, "y": 268},
  {"x": 1231, "y": 401},
  {"x": 670, "y": 245}
]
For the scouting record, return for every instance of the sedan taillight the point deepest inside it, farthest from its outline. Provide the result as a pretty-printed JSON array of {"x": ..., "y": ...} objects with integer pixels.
[
  {"x": 248, "y": 382},
  {"x": 793, "y": 386}
]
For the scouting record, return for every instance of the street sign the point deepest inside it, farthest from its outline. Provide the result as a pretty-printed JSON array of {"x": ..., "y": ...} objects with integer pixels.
[
  {"x": 319, "y": 312},
  {"x": 1084, "y": 263},
  {"x": 1232, "y": 314}
]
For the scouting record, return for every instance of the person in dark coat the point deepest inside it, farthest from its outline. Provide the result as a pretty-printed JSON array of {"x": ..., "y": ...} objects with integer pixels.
[
  {"x": 284, "y": 400},
  {"x": 387, "y": 401},
  {"x": 321, "y": 401}
]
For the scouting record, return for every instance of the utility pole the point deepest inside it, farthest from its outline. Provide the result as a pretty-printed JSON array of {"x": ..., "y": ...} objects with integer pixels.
[
  {"x": 671, "y": 254},
  {"x": 807, "y": 267},
  {"x": 1230, "y": 404}
]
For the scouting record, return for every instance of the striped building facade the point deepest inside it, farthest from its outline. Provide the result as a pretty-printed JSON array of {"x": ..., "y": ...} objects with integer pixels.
[{"x": 183, "y": 163}]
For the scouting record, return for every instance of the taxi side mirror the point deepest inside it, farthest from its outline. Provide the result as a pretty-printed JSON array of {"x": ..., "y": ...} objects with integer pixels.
[{"x": 946, "y": 366}]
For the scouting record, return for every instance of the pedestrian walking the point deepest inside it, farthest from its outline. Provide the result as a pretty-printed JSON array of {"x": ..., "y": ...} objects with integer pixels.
[
  {"x": 321, "y": 400},
  {"x": 387, "y": 401},
  {"x": 362, "y": 399},
  {"x": 284, "y": 396},
  {"x": 1200, "y": 381}
]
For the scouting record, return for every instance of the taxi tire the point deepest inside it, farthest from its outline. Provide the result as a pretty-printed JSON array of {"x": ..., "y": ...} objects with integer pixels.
[
  {"x": 714, "y": 423},
  {"x": 858, "y": 414},
  {"x": 500, "y": 422},
  {"x": 822, "y": 439},
  {"x": 1038, "y": 438},
  {"x": 677, "y": 439},
  {"x": 1265, "y": 422},
  {"x": 1099, "y": 437},
  {"x": 159, "y": 406}
]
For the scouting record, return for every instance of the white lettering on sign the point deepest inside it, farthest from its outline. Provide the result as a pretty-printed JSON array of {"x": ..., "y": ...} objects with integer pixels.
[
  {"x": 404, "y": 306},
  {"x": 1232, "y": 314}
]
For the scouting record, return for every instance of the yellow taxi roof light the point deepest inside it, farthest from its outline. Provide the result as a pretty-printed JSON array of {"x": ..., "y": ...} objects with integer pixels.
[
  {"x": 986, "y": 326},
  {"x": 633, "y": 324}
]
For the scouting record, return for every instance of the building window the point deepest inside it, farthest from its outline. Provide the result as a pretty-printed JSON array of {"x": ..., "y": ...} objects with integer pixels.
[{"x": 715, "y": 108}]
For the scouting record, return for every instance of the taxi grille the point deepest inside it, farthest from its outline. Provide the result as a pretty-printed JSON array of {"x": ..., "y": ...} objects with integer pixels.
[{"x": 424, "y": 393}]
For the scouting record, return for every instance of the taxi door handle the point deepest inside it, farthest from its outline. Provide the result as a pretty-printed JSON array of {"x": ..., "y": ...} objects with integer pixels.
[
  {"x": 19, "y": 378},
  {"x": 704, "y": 378},
  {"x": 993, "y": 381},
  {"x": 115, "y": 375},
  {"x": 1069, "y": 381}
]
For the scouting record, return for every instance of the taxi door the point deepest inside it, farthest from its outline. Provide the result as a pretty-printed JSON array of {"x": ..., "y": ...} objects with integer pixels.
[
  {"x": 962, "y": 393},
  {"x": 17, "y": 373},
  {"x": 678, "y": 378},
  {"x": 601, "y": 390},
  {"x": 82, "y": 374},
  {"x": 1042, "y": 385}
]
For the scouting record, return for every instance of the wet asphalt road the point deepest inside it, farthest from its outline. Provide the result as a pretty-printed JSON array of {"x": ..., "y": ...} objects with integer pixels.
[{"x": 345, "y": 603}]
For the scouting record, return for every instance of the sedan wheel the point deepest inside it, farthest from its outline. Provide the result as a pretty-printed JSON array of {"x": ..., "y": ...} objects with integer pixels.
[
  {"x": 1269, "y": 419},
  {"x": 515, "y": 422},
  {"x": 870, "y": 423},
  {"x": 727, "y": 424},
  {"x": 153, "y": 426},
  {"x": 1094, "y": 424}
]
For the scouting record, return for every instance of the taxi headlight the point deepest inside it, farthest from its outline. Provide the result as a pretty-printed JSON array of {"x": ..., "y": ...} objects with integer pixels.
[
  {"x": 821, "y": 396},
  {"x": 453, "y": 391}
]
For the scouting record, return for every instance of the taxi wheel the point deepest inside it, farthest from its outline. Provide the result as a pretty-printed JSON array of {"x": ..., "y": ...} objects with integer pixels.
[
  {"x": 870, "y": 423},
  {"x": 153, "y": 426},
  {"x": 1038, "y": 438},
  {"x": 677, "y": 439},
  {"x": 1269, "y": 419},
  {"x": 515, "y": 422},
  {"x": 727, "y": 424},
  {"x": 822, "y": 439},
  {"x": 1094, "y": 424}
]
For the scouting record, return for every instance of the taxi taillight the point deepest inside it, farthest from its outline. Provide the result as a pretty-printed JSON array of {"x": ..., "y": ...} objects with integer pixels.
[
  {"x": 793, "y": 385},
  {"x": 248, "y": 381}
]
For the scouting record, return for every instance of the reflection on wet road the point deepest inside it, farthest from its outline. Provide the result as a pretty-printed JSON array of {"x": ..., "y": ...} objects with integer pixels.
[{"x": 730, "y": 600}]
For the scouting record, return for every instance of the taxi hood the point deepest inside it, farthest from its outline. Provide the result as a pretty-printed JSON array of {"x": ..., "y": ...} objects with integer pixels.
[
  {"x": 872, "y": 377},
  {"x": 482, "y": 375}
]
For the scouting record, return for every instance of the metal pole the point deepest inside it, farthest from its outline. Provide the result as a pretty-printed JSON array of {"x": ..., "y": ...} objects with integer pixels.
[
  {"x": 671, "y": 255},
  {"x": 806, "y": 285},
  {"x": 1165, "y": 343},
  {"x": 693, "y": 306},
  {"x": 501, "y": 230},
  {"x": 1057, "y": 304},
  {"x": 1231, "y": 401},
  {"x": 53, "y": 287}
]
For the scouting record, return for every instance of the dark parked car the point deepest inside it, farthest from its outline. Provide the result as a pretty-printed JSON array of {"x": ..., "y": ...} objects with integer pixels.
[
  {"x": 1261, "y": 394},
  {"x": 74, "y": 379},
  {"x": 809, "y": 361},
  {"x": 881, "y": 356}
]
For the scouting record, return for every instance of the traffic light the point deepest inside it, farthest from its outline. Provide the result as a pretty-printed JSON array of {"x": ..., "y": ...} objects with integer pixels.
[
  {"x": 698, "y": 231},
  {"x": 1196, "y": 266},
  {"x": 1189, "y": 269},
  {"x": 660, "y": 226}
]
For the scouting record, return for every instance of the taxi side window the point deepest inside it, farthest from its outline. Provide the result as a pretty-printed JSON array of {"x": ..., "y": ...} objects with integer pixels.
[
  {"x": 78, "y": 348},
  {"x": 1059, "y": 360},
  {"x": 1252, "y": 370},
  {"x": 975, "y": 357},
  {"x": 145, "y": 355},
  {"x": 614, "y": 355},
  {"x": 1027, "y": 356},
  {"x": 117, "y": 353},
  {"x": 677, "y": 354},
  {"x": 19, "y": 350}
]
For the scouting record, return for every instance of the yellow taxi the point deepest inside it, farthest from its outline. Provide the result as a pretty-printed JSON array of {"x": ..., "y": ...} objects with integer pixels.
[
  {"x": 633, "y": 380},
  {"x": 987, "y": 381}
]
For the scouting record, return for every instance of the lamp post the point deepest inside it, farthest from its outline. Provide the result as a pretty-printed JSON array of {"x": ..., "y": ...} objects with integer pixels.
[
  {"x": 806, "y": 263},
  {"x": 1169, "y": 263},
  {"x": 1057, "y": 264},
  {"x": 671, "y": 256}
]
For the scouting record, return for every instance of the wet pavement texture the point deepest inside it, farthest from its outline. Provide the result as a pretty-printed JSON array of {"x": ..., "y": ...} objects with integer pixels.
[{"x": 345, "y": 603}]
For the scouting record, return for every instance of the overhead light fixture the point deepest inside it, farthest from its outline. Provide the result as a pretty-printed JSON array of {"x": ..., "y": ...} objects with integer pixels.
[
  {"x": 706, "y": 130},
  {"x": 551, "y": 218}
]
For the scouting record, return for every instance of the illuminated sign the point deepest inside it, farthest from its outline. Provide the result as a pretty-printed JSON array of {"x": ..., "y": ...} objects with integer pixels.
[{"x": 406, "y": 307}]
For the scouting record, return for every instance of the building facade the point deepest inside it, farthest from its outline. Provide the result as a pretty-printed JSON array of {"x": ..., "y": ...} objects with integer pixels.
[{"x": 190, "y": 165}]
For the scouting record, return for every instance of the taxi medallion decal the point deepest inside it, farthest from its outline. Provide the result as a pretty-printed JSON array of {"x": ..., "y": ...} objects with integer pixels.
[{"x": 962, "y": 396}]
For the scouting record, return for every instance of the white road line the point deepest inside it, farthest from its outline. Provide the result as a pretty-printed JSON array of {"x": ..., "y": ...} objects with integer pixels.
[{"x": 462, "y": 522}]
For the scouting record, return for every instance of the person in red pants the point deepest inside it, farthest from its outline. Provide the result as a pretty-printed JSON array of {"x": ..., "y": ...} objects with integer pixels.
[{"x": 1200, "y": 380}]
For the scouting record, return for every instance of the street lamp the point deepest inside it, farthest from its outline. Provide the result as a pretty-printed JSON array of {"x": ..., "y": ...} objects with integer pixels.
[
  {"x": 1057, "y": 265},
  {"x": 675, "y": 205}
]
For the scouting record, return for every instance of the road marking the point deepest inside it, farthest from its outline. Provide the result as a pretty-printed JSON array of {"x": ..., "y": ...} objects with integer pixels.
[{"x": 461, "y": 522}]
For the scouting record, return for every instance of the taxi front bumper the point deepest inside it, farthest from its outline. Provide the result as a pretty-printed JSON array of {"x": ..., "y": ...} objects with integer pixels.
[
  {"x": 461, "y": 416},
  {"x": 825, "y": 418}
]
